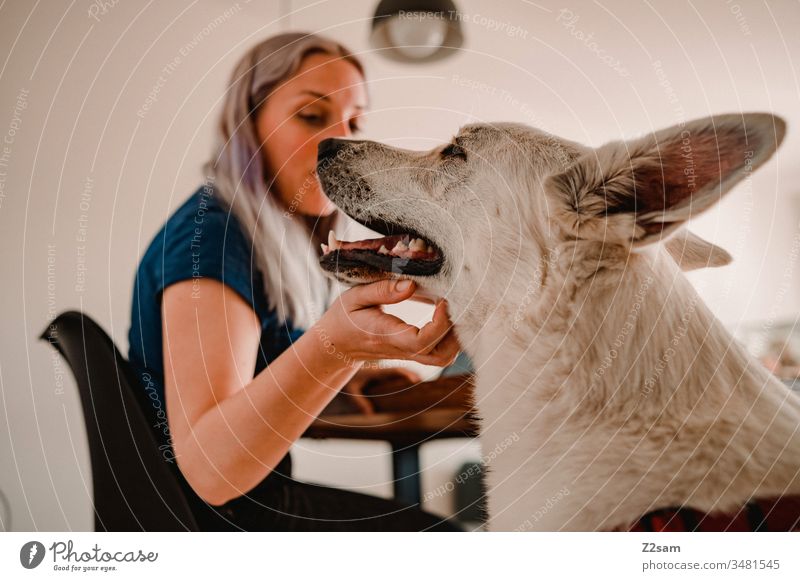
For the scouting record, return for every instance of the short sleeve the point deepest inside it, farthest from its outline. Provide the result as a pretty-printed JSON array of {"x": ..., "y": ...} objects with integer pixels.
[{"x": 205, "y": 241}]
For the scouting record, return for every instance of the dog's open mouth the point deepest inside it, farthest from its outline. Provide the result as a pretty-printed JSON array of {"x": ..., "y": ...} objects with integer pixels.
[{"x": 400, "y": 251}]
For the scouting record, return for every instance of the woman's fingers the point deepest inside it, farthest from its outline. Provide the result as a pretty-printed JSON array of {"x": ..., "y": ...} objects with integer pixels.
[
  {"x": 444, "y": 353},
  {"x": 423, "y": 297},
  {"x": 383, "y": 292},
  {"x": 448, "y": 348},
  {"x": 432, "y": 333},
  {"x": 410, "y": 342},
  {"x": 393, "y": 338},
  {"x": 391, "y": 325}
]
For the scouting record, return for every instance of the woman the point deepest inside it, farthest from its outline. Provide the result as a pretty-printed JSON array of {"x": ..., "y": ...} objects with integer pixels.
[{"x": 227, "y": 288}]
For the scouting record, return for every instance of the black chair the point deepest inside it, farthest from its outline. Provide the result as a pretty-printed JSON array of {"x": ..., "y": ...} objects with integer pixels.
[{"x": 134, "y": 487}]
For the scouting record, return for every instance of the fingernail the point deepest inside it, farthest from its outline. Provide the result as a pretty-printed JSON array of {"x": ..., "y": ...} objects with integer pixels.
[{"x": 402, "y": 286}]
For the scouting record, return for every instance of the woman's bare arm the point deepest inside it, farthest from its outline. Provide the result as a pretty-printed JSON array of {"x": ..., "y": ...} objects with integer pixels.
[{"x": 231, "y": 429}]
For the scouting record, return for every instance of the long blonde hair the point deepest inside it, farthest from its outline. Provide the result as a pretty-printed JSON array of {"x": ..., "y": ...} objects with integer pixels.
[{"x": 293, "y": 281}]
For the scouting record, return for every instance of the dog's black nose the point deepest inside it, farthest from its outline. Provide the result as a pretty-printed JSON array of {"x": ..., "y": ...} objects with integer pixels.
[{"x": 328, "y": 148}]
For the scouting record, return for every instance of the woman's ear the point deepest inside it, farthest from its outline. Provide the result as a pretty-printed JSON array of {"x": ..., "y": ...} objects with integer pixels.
[{"x": 639, "y": 191}]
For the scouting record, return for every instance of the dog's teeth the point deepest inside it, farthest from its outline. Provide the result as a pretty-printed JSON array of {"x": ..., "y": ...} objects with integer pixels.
[
  {"x": 430, "y": 249},
  {"x": 383, "y": 250},
  {"x": 333, "y": 243},
  {"x": 417, "y": 245},
  {"x": 399, "y": 248}
]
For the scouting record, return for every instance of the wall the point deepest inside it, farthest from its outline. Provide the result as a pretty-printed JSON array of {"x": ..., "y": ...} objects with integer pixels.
[{"x": 110, "y": 114}]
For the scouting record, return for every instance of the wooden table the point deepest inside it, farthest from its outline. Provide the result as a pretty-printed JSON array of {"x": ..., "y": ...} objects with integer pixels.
[{"x": 406, "y": 416}]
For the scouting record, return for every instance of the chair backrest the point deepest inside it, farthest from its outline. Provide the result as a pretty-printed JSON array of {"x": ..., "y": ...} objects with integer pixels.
[{"x": 134, "y": 488}]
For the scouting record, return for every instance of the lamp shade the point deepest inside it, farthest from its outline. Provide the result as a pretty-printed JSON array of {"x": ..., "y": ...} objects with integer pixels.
[{"x": 414, "y": 31}]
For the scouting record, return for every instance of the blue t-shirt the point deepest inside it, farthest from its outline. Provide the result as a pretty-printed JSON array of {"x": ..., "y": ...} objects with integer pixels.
[{"x": 201, "y": 239}]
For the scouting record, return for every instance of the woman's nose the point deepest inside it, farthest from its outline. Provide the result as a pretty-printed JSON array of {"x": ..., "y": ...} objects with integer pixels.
[{"x": 341, "y": 129}]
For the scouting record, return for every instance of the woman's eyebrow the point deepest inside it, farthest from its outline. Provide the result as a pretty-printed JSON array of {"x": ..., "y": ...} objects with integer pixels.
[{"x": 325, "y": 97}]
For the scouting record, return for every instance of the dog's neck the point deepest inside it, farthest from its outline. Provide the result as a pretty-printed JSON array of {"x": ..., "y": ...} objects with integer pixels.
[{"x": 609, "y": 369}]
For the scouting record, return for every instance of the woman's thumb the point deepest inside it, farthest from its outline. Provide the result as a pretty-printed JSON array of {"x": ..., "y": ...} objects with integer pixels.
[{"x": 383, "y": 292}]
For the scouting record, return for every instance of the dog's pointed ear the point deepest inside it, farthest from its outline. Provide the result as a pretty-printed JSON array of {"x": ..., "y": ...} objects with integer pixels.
[
  {"x": 639, "y": 191},
  {"x": 692, "y": 252}
]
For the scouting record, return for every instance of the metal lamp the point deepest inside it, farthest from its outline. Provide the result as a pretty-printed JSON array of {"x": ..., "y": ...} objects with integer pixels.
[{"x": 414, "y": 31}]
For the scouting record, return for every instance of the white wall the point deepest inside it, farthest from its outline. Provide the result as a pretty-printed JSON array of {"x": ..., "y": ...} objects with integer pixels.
[{"x": 83, "y": 80}]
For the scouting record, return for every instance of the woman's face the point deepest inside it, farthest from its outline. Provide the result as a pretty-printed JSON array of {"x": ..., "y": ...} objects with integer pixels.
[{"x": 323, "y": 99}]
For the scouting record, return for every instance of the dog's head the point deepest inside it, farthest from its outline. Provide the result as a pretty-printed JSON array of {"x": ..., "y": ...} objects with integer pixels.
[{"x": 500, "y": 192}]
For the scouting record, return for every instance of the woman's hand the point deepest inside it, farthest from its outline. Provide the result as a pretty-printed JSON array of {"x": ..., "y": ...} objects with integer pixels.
[
  {"x": 366, "y": 375},
  {"x": 358, "y": 328}
]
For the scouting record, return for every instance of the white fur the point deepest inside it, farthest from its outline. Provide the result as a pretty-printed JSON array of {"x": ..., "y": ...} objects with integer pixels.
[{"x": 605, "y": 387}]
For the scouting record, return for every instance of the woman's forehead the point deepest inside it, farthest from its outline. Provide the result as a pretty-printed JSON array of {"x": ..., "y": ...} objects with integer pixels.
[{"x": 329, "y": 78}]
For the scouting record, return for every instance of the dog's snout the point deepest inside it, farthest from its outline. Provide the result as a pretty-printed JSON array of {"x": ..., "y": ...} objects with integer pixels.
[{"x": 328, "y": 148}]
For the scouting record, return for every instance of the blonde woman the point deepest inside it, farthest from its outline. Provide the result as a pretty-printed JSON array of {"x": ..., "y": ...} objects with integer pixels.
[{"x": 233, "y": 322}]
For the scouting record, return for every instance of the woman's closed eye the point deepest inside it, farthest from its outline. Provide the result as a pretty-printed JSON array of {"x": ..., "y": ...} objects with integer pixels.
[
  {"x": 322, "y": 120},
  {"x": 315, "y": 119}
]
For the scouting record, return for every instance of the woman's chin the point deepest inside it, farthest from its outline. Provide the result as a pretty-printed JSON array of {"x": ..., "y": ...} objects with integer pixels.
[
  {"x": 320, "y": 208},
  {"x": 314, "y": 203}
]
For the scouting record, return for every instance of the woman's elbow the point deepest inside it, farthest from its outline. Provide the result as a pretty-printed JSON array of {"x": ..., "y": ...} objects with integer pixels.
[
  {"x": 216, "y": 501},
  {"x": 203, "y": 479}
]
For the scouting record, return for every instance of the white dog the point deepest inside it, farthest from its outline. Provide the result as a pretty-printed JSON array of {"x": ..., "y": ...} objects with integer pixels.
[{"x": 606, "y": 389}]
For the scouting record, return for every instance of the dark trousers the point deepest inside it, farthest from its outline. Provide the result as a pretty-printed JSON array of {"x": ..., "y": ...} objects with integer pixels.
[{"x": 284, "y": 504}]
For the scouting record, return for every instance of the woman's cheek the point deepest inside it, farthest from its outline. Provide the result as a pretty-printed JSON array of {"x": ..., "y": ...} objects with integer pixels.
[{"x": 290, "y": 170}]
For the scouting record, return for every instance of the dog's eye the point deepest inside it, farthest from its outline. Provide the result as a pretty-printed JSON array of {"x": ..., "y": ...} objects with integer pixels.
[{"x": 453, "y": 150}]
